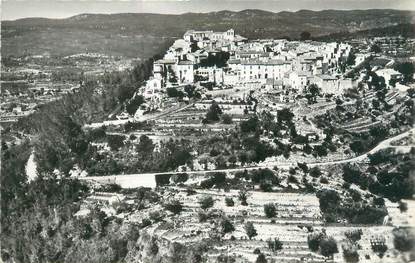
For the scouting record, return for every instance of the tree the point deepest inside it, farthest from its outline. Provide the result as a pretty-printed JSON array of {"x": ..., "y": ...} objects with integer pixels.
[
  {"x": 229, "y": 201},
  {"x": 250, "y": 230},
  {"x": 328, "y": 199},
  {"x": 351, "y": 174},
  {"x": 213, "y": 113},
  {"x": 285, "y": 115},
  {"x": 174, "y": 93},
  {"x": 145, "y": 145},
  {"x": 226, "y": 119},
  {"x": 134, "y": 104},
  {"x": 274, "y": 245},
  {"x": 115, "y": 142},
  {"x": 328, "y": 247},
  {"x": 407, "y": 69},
  {"x": 249, "y": 125},
  {"x": 305, "y": 35},
  {"x": 269, "y": 210},
  {"x": 303, "y": 167},
  {"x": 403, "y": 240},
  {"x": 261, "y": 259},
  {"x": 206, "y": 202},
  {"x": 242, "y": 196},
  {"x": 314, "y": 239},
  {"x": 351, "y": 59},
  {"x": 375, "y": 48},
  {"x": 315, "y": 172},
  {"x": 174, "y": 206},
  {"x": 226, "y": 225}
]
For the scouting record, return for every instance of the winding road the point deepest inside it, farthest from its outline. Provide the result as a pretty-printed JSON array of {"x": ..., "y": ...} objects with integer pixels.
[{"x": 148, "y": 179}]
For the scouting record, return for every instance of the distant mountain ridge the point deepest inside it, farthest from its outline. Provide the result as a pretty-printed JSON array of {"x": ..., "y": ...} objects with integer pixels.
[{"x": 251, "y": 23}]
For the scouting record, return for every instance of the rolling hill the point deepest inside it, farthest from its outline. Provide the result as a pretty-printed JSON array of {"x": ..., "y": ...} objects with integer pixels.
[{"x": 142, "y": 35}]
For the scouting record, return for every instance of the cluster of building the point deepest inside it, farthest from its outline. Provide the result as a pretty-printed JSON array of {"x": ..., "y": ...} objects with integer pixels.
[{"x": 227, "y": 59}]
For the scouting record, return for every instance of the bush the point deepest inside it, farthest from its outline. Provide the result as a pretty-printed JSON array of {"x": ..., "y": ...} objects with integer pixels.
[
  {"x": 354, "y": 235},
  {"x": 162, "y": 179},
  {"x": 328, "y": 247},
  {"x": 274, "y": 245},
  {"x": 226, "y": 225},
  {"x": 206, "y": 202},
  {"x": 229, "y": 201},
  {"x": 257, "y": 251},
  {"x": 351, "y": 174},
  {"x": 145, "y": 222},
  {"x": 250, "y": 230},
  {"x": 314, "y": 239},
  {"x": 226, "y": 119},
  {"x": 155, "y": 216},
  {"x": 379, "y": 248},
  {"x": 403, "y": 240},
  {"x": 180, "y": 178},
  {"x": 403, "y": 207},
  {"x": 115, "y": 142},
  {"x": 261, "y": 259},
  {"x": 242, "y": 196},
  {"x": 292, "y": 179},
  {"x": 350, "y": 253},
  {"x": 324, "y": 180},
  {"x": 174, "y": 206},
  {"x": 328, "y": 199},
  {"x": 265, "y": 186},
  {"x": 269, "y": 210},
  {"x": 203, "y": 217},
  {"x": 315, "y": 172}
]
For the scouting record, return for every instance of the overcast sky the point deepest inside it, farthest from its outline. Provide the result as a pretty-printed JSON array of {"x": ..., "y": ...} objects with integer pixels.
[{"x": 14, "y": 9}]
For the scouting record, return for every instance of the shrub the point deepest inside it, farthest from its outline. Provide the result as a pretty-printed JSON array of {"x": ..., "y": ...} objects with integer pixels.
[
  {"x": 229, "y": 201},
  {"x": 242, "y": 196},
  {"x": 226, "y": 225},
  {"x": 261, "y": 259},
  {"x": 206, "y": 202},
  {"x": 257, "y": 251},
  {"x": 226, "y": 119},
  {"x": 403, "y": 240},
  {"x": 265, "y": 186},
  {"x": 203, "y": 217},
  {"x": 350, "y": 253},
  {"x": 115, "y": 142},
  {"x": 269, "y": 210},
  {"x": 328, "y": 247},
  {"x": 174, "y": 206},
  {"x": 155, "y": 216},
  {"x": 162, "y": 179},
  {"x": 292, "y": 179},
  {"x": 403, "y": 207},
  {"x": 324, "y": 180},
  {"x": 154, "y": 248},
  {"x": 180, "y": 178},
  {"x": 380, "y": 248},
  {"x": 354, "y": 235},
  {"x": 250, "y": 230},
  {"x": 314, "y": 240},
  {"x": 145, "y": 222},
  {"x": 274, "y": 245},
  {"x": 315, "y": 172}
]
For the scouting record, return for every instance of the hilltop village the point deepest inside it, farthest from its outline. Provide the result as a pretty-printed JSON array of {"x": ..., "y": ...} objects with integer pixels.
[{"x": 223, "y": 60}]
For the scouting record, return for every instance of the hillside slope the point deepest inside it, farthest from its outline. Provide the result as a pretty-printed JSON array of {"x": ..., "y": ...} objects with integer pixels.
[{"x": 142, "y": 35}]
